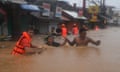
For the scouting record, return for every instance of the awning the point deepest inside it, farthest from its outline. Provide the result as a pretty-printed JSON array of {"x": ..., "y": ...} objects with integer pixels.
[
  {"x": 30, "y": 7},
  {"x": 18, "y": 1}
]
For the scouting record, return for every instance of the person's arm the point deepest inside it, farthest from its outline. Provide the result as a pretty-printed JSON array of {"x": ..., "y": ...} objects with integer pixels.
[
  {"x": 29, "y": 50},
  {"x": 95, "y": 42},
  {"x": 34, "y": 46},
  {"x": 39, "y": 48},
  {"x": 64, "y": 42},
  {"x": 71, "y": 43}
]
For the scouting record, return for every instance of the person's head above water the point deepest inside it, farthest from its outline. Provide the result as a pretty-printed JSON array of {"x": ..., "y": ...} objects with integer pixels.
[
  {"x": 82, "y": 32},
  {"x": 50, "y": 39},
  {"x": 74, "y": 25},
  {"x": 63, "y": 25},
  {"x": 30, "y": 31}
]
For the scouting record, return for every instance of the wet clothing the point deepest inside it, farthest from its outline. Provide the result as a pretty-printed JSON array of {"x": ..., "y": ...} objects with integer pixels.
[
  {"x": 54, "y": 44},
  {"x": 64, "y": 31},
  {"x": 24, "y": 41}
]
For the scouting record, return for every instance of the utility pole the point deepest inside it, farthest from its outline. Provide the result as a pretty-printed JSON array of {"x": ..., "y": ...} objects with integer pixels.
[
  {"x": 103, "y": 8},
  {"x": 103, "y": 2},
  {"x": 84, "y": 7}
]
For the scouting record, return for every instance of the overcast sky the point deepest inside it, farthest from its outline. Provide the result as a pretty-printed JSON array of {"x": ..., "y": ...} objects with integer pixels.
[{"x": 115, "y": 3}]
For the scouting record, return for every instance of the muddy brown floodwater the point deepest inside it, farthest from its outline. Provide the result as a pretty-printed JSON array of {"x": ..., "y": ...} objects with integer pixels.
[{"x": 104, "y": 58}]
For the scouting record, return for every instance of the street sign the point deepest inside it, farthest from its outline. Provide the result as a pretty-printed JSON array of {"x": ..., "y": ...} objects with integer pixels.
[
  {"x": 58, "y": 12},
  {"x": 46, "y": 8},
  {"x": 94, "y": 18},
  {"x": 93, "y": 9}
]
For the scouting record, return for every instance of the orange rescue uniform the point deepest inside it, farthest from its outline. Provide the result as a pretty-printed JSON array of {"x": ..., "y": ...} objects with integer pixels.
[
  {"x": 75, "y": 31},
  {"x": 24, "y": 41},
  {"x": 64, "y": 31}
]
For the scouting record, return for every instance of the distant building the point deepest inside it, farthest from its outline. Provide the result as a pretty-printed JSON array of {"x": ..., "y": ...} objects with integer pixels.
[
  {"x": 109, "y": 11},
  {"x": 114, "y": 16}
]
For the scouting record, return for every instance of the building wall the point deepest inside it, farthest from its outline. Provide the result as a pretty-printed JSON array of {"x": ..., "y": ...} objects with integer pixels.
[
  {"x": 52, "y": 24},
  {"x": 42, "y": 27}
]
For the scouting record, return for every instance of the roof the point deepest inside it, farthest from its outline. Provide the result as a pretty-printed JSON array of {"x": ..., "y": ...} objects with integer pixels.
[
  {"x": 71, "y": 13},
  {"x": 74, "y": 14},
  {"x": 30, "y": 7},
  {"x": 19, "y": 1}
]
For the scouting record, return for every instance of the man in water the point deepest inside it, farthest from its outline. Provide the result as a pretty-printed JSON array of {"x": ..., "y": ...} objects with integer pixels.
[
  {"x": 51, "y": 42},
  {"x": 83, "y": 40}
]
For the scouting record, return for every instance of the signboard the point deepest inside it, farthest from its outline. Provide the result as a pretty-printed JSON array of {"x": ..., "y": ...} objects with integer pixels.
[
  {"x": 46, "y": 8},
  {"x": 80, "y": 13},
  {"x": 93, "y": 9},
  {"x": 58, "y": 12},
  {"x": 94, "y": 18}
]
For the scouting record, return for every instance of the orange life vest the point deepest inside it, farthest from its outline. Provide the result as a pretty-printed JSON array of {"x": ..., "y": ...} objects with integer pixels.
[
  {"x": 19, "y": 49},
  {"x": 64, "y": 31},
  {"x": 75, "y": 31}
]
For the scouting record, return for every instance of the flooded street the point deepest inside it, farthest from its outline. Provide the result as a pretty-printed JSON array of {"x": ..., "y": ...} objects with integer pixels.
[{"x": 103, "y": 58}]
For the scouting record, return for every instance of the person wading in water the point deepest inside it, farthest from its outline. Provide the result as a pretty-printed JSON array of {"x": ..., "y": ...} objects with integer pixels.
[
  {"x": 24, "y": 46},
  {"x": 83, "y": 40}
]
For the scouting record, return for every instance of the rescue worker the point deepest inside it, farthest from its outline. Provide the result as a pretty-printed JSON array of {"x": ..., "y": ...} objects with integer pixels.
[
  {"x": 64, "y": 30},
  {"x": 24, "y": 46},
  {"x": 75, "y": 30}
]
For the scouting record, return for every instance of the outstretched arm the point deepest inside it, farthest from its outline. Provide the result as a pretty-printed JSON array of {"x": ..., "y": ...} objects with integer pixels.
[
  {"x": 63, "y": 43},
  {"x": 71, "y": 43},
  {"x": 95, "y": 42},
  {"x": 34, "y": 46}
]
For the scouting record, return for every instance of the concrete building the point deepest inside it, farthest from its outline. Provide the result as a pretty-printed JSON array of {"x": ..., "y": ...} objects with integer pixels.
[{"x": 115, "y": 17}]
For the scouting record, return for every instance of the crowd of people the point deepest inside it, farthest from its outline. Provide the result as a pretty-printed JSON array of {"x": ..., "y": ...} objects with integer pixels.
[{"x": 24, "y": 46}]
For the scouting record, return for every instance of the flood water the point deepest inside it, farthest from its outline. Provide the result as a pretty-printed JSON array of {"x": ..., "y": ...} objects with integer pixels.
[{"x": 103, "y": 58}]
